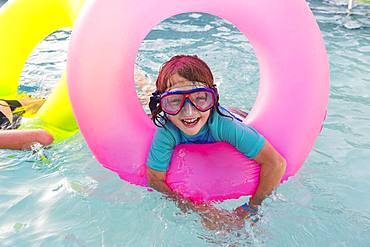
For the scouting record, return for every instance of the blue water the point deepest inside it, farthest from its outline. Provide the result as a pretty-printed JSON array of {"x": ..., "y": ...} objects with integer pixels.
[{"x": 61, "y": 196}]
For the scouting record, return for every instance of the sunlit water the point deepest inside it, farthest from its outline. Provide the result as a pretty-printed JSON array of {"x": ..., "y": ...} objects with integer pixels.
[{"x": 61, "y": 196}]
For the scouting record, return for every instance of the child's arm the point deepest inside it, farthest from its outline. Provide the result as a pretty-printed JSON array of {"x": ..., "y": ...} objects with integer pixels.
[
  {"x": 212, "y": 218},
  {"x": 254, "y": 146},
  {"x": 24, "y": 139},
  {"x": 157, "y": 180},
  {"x": 272, "y": 169}
]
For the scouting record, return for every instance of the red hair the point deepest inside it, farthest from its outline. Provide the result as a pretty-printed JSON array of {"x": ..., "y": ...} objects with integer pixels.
[{"x": 190, "y": 67}]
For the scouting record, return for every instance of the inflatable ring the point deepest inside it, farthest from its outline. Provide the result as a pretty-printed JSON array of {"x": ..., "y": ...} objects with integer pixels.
[
  {"x": 289, "y": 110},
  {"x": 23, "y": 24}
]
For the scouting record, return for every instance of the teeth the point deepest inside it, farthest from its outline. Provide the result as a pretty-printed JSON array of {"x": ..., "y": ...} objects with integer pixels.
[{"x": 190, "y": 120}]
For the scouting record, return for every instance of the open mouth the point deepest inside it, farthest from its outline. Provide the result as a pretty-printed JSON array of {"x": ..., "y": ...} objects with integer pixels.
[{"x": 190, "y": 122}]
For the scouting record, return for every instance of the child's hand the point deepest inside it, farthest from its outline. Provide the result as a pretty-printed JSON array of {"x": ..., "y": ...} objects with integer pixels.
[
  {"x": 246, "y": 211},
  {"x": 220, "y": 219}
]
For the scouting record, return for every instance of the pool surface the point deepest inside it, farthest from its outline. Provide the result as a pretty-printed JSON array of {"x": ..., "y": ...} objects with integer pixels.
[{"x": 61, "y": 196}]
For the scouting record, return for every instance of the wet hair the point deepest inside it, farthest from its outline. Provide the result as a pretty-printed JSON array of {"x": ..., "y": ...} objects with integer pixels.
[{"x": 189, "y": 67}]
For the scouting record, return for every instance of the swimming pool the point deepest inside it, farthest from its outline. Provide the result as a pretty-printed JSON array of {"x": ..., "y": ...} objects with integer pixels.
[{"x": 62, "y": 196}]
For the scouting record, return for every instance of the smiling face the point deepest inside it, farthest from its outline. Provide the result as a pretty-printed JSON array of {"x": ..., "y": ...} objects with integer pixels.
[
  {"x": 189, "y": 120},
  {"x": 182, "y": 71}
]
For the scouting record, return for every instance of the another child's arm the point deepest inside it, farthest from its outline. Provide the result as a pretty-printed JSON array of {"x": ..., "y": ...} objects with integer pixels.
[{"x": 24, "y": 139}]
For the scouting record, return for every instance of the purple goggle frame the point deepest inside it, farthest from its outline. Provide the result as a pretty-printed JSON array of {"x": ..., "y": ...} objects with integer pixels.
[{"x": 202, "y": 99}]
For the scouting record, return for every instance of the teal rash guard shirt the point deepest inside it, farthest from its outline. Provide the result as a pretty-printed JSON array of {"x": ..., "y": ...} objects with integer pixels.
[{"x": 217, "y": 129}]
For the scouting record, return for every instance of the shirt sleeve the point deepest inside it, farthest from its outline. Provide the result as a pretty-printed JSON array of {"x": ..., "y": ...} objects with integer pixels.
[
  {"x": 161, "y": 150},
  {"x": 243, "y": 137}
]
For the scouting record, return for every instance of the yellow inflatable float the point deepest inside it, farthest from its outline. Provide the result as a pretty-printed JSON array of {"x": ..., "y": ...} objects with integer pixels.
[{"x": 23, "y": 24}]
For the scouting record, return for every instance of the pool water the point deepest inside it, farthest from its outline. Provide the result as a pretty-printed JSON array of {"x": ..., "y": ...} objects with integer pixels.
[{"x": 62, "y": 196}]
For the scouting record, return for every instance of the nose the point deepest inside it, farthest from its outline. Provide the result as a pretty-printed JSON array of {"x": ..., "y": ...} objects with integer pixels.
[{"x": 188, "y": 109}]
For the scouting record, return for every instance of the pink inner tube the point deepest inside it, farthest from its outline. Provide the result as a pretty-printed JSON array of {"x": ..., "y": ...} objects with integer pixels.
[{"x": 289, "y": 110}]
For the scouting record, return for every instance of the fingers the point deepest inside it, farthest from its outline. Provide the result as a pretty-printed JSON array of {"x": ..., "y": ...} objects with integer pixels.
[{"x": 217, "y": 219}]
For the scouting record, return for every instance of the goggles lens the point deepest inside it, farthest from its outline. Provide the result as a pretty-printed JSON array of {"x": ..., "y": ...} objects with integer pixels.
[{"x": 201, "y": 98}]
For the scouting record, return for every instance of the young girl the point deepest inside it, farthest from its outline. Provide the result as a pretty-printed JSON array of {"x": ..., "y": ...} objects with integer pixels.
[
  {"x": 186, "y": 110},
  {"x": 11, "y": 112}
]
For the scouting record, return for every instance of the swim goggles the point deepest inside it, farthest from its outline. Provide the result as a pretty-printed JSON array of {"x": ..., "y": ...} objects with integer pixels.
[{"x": 202, "y": 99}]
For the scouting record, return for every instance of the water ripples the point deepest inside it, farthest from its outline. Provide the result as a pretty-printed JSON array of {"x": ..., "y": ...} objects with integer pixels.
[{"x": 62, "y": 196}]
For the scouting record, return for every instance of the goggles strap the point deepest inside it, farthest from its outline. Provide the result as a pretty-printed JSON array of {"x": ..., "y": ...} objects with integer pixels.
[
  {"x": 154, "y": 101},
  {"x": 214, "y": 89}
]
